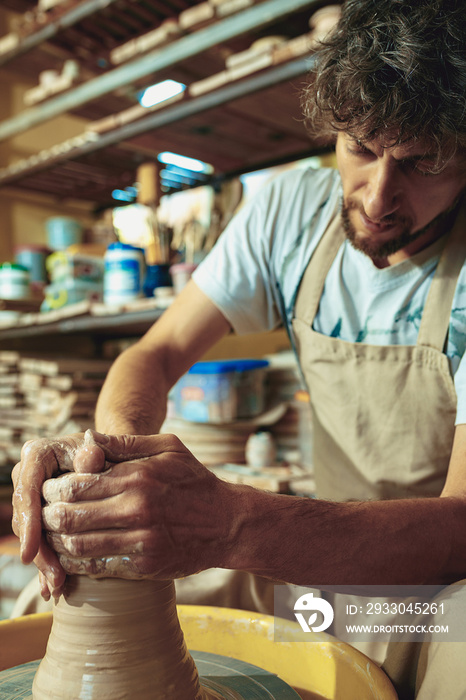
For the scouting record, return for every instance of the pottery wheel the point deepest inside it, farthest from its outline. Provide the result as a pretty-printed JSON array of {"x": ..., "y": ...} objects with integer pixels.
[{"x": 232, "y": 679}]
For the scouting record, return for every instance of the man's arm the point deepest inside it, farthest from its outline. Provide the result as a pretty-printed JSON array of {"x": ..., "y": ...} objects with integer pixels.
[
  {"x": 408, "y": 541},
  {"x": 416, "y": 541},
  {"x": 134, "y": 396},
  {"x": 165, "y": 515},
  {"x": 133, "y": 400}
]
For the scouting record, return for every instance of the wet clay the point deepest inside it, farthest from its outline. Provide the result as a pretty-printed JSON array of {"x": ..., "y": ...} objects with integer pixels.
[{"x": 115, "y": 639}]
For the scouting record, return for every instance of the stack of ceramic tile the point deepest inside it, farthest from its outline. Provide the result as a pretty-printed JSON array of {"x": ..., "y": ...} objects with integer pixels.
[{"x": 45, "y": 397}]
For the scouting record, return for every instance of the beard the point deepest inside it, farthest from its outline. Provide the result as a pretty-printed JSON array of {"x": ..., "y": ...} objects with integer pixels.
[{"x": 379, "y": 250}]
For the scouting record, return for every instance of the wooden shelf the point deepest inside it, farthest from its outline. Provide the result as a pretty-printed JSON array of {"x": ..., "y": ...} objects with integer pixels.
[
  {"x": 123, "y": 151},
  {"x": 220, "y": 31},
  {"x": 237, "y": 127},
  {"x": 60, "y": 19},
  {"x": 128, "y": 323}
]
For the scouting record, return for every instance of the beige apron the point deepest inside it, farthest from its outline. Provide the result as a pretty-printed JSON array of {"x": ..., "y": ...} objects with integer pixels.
[{"x": 383, "y": 415}]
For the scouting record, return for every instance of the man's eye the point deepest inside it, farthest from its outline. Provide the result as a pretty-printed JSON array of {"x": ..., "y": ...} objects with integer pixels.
[
  {"x": 423, "y": 172},
  {"x": 423, "y": 169},
  {"x": 358, "y": 148}
]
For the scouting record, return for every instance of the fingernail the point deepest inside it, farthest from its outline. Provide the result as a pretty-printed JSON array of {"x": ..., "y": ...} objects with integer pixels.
[{"x": 100, "y": 438}]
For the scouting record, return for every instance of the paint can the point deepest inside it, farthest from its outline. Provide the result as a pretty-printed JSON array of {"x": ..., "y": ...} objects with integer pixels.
[{"x": 123, "y": 273}]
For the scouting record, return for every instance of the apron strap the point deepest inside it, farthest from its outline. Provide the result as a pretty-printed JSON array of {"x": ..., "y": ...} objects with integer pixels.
[
  {"x": 313, "y": 280},
  {"x": 435, "y": 319}
]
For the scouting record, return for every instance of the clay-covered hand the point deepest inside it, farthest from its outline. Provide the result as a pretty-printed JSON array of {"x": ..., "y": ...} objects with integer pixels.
[
  {"x": 40, "y": 460},
  {"x": 161, "y": 514}
]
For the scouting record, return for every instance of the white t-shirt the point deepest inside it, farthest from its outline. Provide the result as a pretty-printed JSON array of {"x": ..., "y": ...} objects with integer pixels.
[{"x": 253, "y": 273}]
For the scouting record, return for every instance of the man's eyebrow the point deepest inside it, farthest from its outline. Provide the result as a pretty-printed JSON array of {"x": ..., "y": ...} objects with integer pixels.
[
  {"x": 413, "y": 158},
  {"x": 424, "y": 156}
]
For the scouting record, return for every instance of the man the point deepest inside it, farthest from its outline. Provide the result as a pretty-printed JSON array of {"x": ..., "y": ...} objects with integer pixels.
[{"x": 373, "y": 294}]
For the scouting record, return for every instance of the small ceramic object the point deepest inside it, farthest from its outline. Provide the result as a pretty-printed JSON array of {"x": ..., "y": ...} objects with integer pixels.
[{"x": 261, "y": 450}]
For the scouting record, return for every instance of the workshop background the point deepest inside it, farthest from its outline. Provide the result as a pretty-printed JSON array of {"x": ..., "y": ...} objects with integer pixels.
[{"x": 131, "y": 131}]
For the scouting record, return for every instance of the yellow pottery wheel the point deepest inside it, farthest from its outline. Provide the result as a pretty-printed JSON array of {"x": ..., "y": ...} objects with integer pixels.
[{"x": 322, "y": 669}]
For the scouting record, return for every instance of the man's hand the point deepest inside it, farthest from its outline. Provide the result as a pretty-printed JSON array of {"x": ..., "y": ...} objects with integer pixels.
[
  {"x": 155, "y": 513},
  {"x": 40, "y": 460}
]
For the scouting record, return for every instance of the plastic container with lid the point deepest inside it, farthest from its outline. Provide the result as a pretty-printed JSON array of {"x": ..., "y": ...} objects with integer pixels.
[
  {"x": 221, "y": 391},
  {"x": 124, "y": 269},
  {"x": 14, "y": 281}
]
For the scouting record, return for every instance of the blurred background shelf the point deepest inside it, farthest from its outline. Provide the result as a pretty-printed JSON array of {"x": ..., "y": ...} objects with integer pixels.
[
  {"x": 121, "y": 324},
  {"x": 241, "y": 126}
]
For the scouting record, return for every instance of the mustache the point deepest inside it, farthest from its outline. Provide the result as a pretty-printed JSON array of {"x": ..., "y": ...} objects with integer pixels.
[{"x": 402, "y": 221}]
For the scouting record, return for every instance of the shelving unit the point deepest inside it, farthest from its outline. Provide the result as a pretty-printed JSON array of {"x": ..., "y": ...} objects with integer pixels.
[
  {"x": 238, "y": 127},
  {"x": 247, "y": 124},
  {"x": 253, "y": 122},
  {"x": 221, "y": 31},
  {"x": 53, "y": 27},
  {"x": 231, "y": 156}
]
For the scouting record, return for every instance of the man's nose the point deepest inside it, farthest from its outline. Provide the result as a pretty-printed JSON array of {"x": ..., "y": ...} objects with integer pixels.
[{"x": 382, "y": 193}]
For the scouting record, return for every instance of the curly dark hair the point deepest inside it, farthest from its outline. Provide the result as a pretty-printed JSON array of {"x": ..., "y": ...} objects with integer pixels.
[{"x": 393, "y": 68}]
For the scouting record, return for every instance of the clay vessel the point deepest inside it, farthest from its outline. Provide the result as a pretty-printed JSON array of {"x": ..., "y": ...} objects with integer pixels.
[{"x": 114, "y": 639}]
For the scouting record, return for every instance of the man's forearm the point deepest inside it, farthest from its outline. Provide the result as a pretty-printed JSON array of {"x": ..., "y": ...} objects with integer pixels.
[
  {"x": 312, "y": 542},
  {"x": 134, "y": 397}
]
